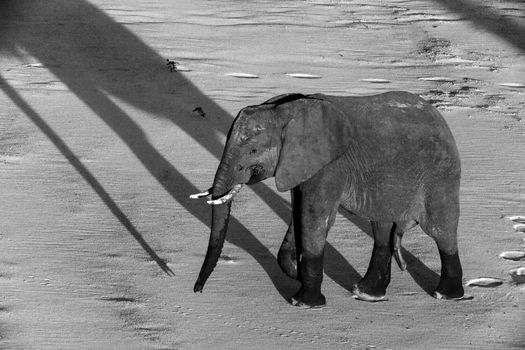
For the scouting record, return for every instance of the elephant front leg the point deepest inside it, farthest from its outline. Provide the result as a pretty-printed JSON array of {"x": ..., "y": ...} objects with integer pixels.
[
  {"x": 372, "y": 287},
  {"x": 313, "y": 217},
  {"x": 310, "y": 247},
  {"x": 310, "y": 273}
]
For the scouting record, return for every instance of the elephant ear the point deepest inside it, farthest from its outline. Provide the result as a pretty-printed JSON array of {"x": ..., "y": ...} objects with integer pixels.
[{"x": 317, "y": 134}]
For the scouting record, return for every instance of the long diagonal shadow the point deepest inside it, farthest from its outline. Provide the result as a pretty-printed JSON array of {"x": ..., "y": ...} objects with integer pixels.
[
  {"x": 155, "y": 163},
  {"x": 173, "y": 181},
  {"x": 80, "y": 58},
  {"x": 100, "y": 57},
  {"x": 82, "y": 170},
  {"x": 489, "y": 19}
]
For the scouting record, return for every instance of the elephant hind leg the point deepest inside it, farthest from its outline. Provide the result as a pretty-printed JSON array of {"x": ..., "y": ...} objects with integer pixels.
[
  {"x": 400, "y": 227},
  {"x": 441, "y": 223},
  {"x": 398, "y": 255},
  {"x": 450, "y": 284},
  {"x": 287, "y": 255}
]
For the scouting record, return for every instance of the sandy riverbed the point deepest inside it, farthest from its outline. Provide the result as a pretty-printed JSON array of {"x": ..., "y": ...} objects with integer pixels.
[{"x": 100, "y": 148}]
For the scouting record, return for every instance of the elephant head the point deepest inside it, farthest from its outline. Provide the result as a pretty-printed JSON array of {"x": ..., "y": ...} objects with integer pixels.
[{"x": 290, "y": 137}]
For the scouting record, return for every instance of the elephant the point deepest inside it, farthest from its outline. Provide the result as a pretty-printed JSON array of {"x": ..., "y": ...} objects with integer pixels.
[{"x": 389, "y": 158}]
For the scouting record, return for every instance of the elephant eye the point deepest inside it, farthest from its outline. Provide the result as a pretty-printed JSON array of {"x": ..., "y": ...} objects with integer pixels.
[{"x": 253, "y": 151}]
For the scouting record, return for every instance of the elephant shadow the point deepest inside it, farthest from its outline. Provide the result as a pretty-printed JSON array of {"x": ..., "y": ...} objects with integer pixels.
[{"x": 81, "y": 53}]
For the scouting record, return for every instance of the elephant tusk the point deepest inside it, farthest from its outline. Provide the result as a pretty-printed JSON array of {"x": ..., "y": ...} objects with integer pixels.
[
  {"x": 200, "y": 195},
  {"x": 227, "y": 197}
]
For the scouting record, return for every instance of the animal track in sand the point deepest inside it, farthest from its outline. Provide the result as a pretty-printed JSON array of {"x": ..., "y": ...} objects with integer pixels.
[
  {"x": 225, "y": 259},
  {"x": 470, "y": 93},
  {"x": 376, "y": 80},
  {"x": 303, "y": 76},
  {"x": 513, "y": 85},
  {"x": 515, "y": 255},
  {"x": 438, "y": 79},
  {"x": 120, "y": 299},
  {"x": 519, "y": 227},
  {"x": 131, "y": 311},
  {"x": 484, "y": 282},
  {"x": 518, "y": 275},
  {"x": 434, "y": 47},
  {"x": 35, "y": 65},
  {"x": 517, "y": 218},
  {"x": 243, "y": 75},
  {"x": 278, "y": 332}
]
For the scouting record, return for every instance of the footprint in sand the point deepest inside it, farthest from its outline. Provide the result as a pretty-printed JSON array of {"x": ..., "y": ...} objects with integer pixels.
[
  {"x": 438, "y": 79},
  {"x": 513, "y": 85},
  {"x": 35, "y": 65},
  {"x": 520, "y": 220},
  {"x": 303, "y": 76},
  {"x": 519, "y": 227},
  {"x": 484, "y": 282},
  {"x": 515, "y": 255},
  {"x": 243, "y": 75},
  {"x": 183, "y": 69},
  {"x": 517, "y": 218},
  {"x": 518, "y": 275},
  {"x": 228, "y": 260},
  {"x": 175, "y": 66},
  {"x": 376, "y": 80}
]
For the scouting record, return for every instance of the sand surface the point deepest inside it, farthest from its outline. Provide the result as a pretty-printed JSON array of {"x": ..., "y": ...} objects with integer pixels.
[{"x": 100, "y": 147}]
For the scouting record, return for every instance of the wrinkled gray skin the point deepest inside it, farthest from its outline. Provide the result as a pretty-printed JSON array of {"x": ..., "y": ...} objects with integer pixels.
[{"x": 389, "y": 158}]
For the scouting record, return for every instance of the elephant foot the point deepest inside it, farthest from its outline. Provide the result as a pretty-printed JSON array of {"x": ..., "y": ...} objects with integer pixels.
[
  {"x": 288, "y": 263},
  {"x": 451, "y": 289},
  {"x": 308, "y": 300},
  {"x": 440, "y": 296},
  {"x": 364, "y": 296}
]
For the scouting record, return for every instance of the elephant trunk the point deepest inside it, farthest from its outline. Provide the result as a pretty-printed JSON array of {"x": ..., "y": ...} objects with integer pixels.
[
  {"x": 219, "y": 226},
  {"x": 220, "y": 216}
]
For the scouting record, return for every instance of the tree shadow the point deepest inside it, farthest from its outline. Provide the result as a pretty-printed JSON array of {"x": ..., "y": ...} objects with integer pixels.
[
  {"x": 99, "y": 58},
  {"x": 82, "y": 170},
  {"x": 489, "y": 19}
]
